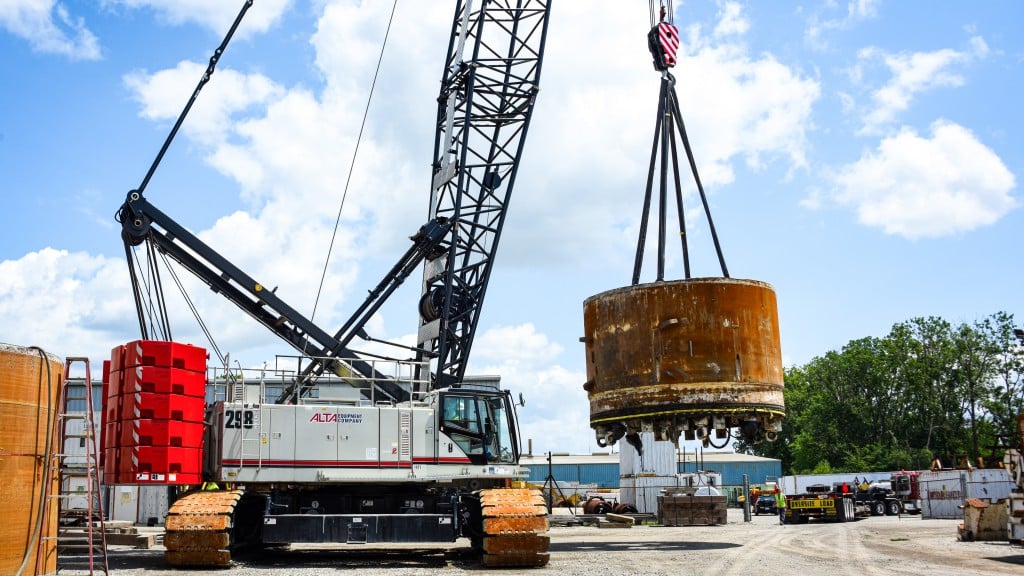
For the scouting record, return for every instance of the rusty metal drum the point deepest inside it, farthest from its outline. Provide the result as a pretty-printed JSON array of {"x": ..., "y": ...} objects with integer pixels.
[
  {"x": 30, "y": 381},
  {"x": 693, "y": 358}
]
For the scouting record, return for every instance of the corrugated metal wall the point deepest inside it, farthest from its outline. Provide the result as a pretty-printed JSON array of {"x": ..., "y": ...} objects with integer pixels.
[
  {"x": 658, "y": 457},
  {"x": 942, "y": 491},
  {"x": 732, "y": 472},
  {"x": 603, "y": 475},
  {"x": 606, "y": 475}
]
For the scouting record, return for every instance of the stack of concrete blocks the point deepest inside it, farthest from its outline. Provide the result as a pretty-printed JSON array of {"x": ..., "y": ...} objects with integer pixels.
[{"x": 687, "y": 509}]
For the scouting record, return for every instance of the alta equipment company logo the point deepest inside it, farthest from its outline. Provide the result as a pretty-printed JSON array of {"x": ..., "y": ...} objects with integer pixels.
[{"x": 336, "y": 418}]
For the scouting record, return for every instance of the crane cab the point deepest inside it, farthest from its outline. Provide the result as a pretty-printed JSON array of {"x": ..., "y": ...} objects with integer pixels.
[{"x": 480, "y": 424}]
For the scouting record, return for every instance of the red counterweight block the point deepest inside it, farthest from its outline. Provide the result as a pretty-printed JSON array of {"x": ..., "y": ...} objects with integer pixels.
[
  {"x": 117, "y": 358},
  {"x": 164, "y": 381},
  {"x": 154, "y": 406},
  {"x": 112, "y": 397},
  {"x": 112, "y": 410},
  {"x": 160, "y": 465},
  {"x": 111, "y": 435},
  {"x": 110, "y": 440},
  {"x": 153, "y": 413},
  {"x": 111, "y": 465},
  {"x": 103, "y": 412},
  {"x": 162, "y": 433},
  {"x": 164, "y": 354}
]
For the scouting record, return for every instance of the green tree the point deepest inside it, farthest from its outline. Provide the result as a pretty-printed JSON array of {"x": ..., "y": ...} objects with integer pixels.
[
  {"x": 927, "y": 389},
  {"x": 1007, "y": 394}
]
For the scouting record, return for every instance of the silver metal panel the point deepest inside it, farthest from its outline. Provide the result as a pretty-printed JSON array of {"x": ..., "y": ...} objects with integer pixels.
[
  {"x": 434, "y": 268},
  {"x": 281, "y": 440},
  {"x": 316, "y": 434},
  {"x": 443, "y": 176},
  {"x": 658, "y": 457},
  {"x": 388, "y": 439},
  {"x": 429, "y": 331}
]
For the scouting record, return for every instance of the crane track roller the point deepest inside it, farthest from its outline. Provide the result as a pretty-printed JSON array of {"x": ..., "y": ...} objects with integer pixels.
[
  {"x": 198, "y": 529},
  {"x": 515, "y": 526}
]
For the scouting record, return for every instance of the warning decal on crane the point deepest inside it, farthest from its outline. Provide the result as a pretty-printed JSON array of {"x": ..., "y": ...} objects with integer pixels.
[
  {"x": 663, "y": 42},
  {"x": 668, "y": 37}
]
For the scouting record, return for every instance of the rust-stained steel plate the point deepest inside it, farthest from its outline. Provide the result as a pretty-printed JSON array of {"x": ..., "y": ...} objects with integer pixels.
[{"x": 691, "y": 357}]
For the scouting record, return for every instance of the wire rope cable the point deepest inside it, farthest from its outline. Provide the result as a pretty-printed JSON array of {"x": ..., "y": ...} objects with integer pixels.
[
  {"x": 195, "y": 312},
  {"x": 352, "y": 163}
]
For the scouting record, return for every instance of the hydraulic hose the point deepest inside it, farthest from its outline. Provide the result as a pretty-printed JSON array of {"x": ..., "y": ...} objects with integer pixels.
[{"x": 33, "y": 543}]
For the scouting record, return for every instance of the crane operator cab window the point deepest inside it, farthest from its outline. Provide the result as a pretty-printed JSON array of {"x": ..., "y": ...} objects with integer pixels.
[{"x": 479, "y": 424}]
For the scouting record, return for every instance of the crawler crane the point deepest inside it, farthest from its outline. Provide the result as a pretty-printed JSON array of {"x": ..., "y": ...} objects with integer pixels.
[{"x": 430, "y": 457}]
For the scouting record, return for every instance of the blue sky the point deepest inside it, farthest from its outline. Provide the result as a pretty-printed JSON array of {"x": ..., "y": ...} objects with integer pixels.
[{"x": 862, "y": 157}]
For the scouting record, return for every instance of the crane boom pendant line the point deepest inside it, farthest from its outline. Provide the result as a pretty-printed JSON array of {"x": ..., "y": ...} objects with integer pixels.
[
  {"x": 195, "y": 93},
  {"x": 124, "y": 215},
  {"x": 352, "y": 163}
]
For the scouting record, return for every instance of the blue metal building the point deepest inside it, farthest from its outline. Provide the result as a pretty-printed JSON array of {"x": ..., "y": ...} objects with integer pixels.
[{"x": 602, "y": 469}]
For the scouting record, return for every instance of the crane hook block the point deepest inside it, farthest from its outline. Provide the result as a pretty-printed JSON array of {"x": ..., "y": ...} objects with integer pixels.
[{"x": 663, "y": 42}]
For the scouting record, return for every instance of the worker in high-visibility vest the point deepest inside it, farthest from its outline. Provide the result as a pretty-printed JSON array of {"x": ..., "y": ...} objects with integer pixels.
[{"x": 780, "y": 503}]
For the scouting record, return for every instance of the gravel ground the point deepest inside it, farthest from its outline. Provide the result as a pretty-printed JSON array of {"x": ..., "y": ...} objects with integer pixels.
[{"x": 871, "y": 546}]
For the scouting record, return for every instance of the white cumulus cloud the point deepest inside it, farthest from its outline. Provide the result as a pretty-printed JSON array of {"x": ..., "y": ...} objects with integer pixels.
[
  {"x": 731, "y": 20},
  {"x": 555, "y": 414},
  {"x": 216, "y": 16},
  {"x": 822, "y": 24},
  {"x": 50, "y": 27},
  {"x": 912, "y": 73},
  {"x": 163, "y": 94},
  {"x": 66, "y": 302},
  {"x": 927, "y": 186}
]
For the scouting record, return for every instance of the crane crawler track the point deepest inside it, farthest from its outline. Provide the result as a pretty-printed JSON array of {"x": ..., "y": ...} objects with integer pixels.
[
  {"x": 515, "y": 526},
  {"x": 198, "y": 529}
]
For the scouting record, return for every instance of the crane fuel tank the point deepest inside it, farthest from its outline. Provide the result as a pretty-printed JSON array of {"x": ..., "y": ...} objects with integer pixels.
[{"x": 691, "y": 357}]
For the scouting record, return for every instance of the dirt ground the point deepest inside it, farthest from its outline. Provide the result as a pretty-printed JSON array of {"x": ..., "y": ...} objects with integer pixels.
[
  {"x": 876, "y": 545},
  {"x": 871, "y": 546}
]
